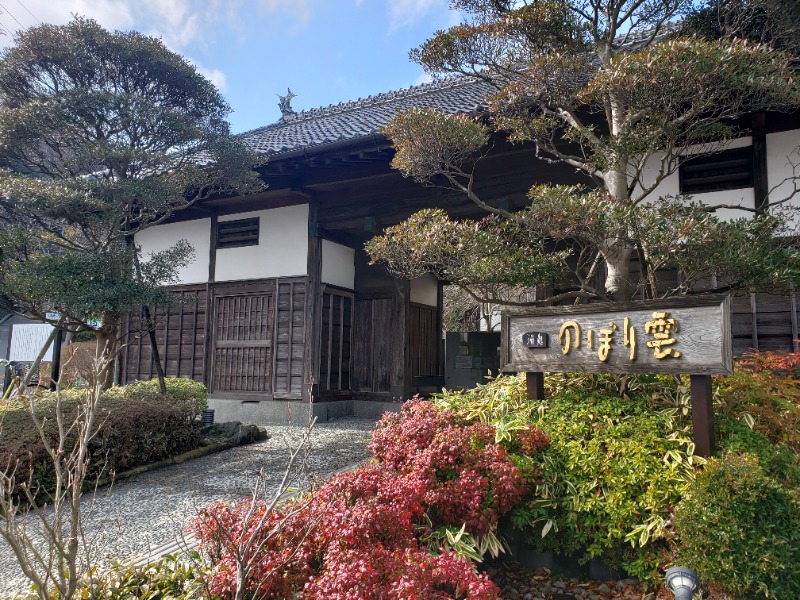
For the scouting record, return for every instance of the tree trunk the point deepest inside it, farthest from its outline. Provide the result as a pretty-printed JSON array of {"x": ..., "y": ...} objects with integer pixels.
[
  {"x": 619, "y": 285},
  {"x": 617, "y": 251},
  {"x": 151, "y": 332},
  {"x": 151, "y": 328},
  {"x": 108, "y": 347}
]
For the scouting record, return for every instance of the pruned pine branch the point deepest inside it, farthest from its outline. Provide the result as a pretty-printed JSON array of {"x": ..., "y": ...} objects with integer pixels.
[{"x": 612, "y": 89}]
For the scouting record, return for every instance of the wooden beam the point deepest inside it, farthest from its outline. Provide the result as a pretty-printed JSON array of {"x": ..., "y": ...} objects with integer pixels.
[
  {"x": 208, "y": 348},
  {"x": 795, "y": 332},
  {"x": 754, "y": 317},
  {"x": 439, "y": 339},
  {"x": 401, "y": 367}
]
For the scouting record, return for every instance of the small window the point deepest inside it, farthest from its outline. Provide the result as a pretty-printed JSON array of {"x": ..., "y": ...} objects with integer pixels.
[
  {"x": 233, "y": 234},
  {"x": 727, "y": 170}
]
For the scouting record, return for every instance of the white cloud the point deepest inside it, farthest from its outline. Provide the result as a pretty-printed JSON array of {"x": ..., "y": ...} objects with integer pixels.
[
  {"x": 172, "y": 21},
  {"x": 405, "y": 13},
  {"x": 216, "y": 76},
  {"x": 111, "y": 14},
  {"x": 177, "y": 22}
]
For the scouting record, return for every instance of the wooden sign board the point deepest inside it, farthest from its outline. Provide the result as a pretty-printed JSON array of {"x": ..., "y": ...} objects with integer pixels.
[{"x": 678, "y": 335}]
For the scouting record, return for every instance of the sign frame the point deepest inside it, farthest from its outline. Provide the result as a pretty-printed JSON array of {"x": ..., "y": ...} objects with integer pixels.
[
  {"x": 700, "y": 374},
  {"x": 710, "y": 314}
]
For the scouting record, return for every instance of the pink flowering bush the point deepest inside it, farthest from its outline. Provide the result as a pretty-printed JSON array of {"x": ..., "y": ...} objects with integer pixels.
[
  {"x": 360, "y": 535},
  {"x": 530, "y": 440}
]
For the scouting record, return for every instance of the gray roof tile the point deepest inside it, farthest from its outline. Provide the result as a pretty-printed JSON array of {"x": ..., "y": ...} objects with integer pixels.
[{"x": 365, "y": 116}]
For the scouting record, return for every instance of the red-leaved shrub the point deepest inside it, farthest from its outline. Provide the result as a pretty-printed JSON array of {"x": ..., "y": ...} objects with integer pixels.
[
  {"x": 284, "y": 543},
  {"x": 358, "y": 536},
  {"x": 469, "y": 478}
]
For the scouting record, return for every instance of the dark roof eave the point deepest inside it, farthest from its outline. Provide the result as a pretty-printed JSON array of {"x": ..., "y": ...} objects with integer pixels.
[{"x": 377, "y": 139}]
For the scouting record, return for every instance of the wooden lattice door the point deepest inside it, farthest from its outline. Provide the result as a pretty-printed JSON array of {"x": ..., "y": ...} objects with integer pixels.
[{"x": 243, "y": 343}]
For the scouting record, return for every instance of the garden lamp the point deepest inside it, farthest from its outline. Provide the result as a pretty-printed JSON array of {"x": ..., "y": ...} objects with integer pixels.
[{"x": 682, "y": 582}]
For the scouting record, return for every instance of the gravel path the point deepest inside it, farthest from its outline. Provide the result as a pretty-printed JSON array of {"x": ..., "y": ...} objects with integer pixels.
[{"x": 144, "y": 513}]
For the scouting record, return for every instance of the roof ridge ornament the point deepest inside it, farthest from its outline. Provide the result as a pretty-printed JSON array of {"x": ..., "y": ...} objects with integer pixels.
[{"x": 285, "y": 103}]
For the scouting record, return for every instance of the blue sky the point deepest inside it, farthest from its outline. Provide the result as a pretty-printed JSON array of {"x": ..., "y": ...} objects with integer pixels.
[{"x": 326, "y": 51}]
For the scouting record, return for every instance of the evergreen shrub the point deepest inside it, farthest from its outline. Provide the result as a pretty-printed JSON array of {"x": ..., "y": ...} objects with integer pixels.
[
  {"x": 614, "y": 469},
  {"x": 170, "y": 577},
  {"x": 740, "y": 528},
  {"x": 137, "y": 426},
  {"x": 621, "y": 457}
]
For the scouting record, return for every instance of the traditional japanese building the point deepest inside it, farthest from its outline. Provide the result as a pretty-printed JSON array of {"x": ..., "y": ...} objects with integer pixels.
[{"x": 280, "y": 302}]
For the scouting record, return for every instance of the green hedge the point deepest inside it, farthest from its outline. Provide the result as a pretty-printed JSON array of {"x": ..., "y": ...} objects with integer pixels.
[
  {"x": 613, "y": 472},
  {"x": 137, "y": 426},
  {"x": 620, "y": 461},
  {"x": 740, "y": 528}
]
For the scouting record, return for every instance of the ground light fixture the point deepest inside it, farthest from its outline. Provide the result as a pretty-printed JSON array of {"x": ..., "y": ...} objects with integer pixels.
[{"x": 682, "y": 582}]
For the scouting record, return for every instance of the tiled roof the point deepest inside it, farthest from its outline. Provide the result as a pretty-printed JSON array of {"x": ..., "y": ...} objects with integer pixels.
[{"x": 365, "y": 116}]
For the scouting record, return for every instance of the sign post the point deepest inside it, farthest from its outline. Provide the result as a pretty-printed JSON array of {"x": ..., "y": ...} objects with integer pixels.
[{"x": 685, "y": 335}]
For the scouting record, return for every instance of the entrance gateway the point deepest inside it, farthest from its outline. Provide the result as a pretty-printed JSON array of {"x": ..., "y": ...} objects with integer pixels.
[{"x": 682, "y": 335}]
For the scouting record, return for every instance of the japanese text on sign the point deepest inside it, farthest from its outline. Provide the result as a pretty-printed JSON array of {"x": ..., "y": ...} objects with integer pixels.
[
  {"x": 662, "y": 328},
  {"x": 678, "y": 335}
]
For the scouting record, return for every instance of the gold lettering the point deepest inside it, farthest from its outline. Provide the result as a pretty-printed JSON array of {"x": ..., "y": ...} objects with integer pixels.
[
  {"x": 605, "y": 342},
  {"x": 662, "y": 328},
  {"x": 569, "y": 330},
  {"x": 629, "y": 337}
]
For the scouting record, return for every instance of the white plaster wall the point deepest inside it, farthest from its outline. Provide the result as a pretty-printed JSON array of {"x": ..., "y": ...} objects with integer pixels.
[
  {"x": 282, "y": 249},
  {"x": 670, "y": 186},
  {"x": 424, "y": 290},
  {"x": 338, "y": 265},
  {"x": 782, "y": 156},
  {"x": 161, "y": 237}
]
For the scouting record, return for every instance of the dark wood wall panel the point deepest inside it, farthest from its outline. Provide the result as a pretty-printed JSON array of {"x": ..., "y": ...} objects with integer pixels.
[
  {"x": 336, "y": 340},
  {"x": 379, "y": 345},
  {"x": 180, "y": 335},
  {"x": 384, "y": 350},
  {"x": 290, "y": 339},
  {"x": 424, "y": 338},
  {"x": 257, "y": 338},
  {"x": 243, "y": 342},
  {"x": 764, "y": 321},
  {"x": 363, "y": 332},
  {"x": 373, "y": 345}
]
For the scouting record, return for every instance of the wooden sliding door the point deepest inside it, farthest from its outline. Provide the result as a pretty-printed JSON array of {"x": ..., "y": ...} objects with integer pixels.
[{"x": 243, "y": 339}]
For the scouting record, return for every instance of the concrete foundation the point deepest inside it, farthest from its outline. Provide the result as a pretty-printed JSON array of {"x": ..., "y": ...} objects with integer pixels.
[{"x": 283, "y": 412}]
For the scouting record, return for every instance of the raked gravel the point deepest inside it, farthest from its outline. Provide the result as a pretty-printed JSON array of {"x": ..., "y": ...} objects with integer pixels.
[{"x": 134, "y": 517}]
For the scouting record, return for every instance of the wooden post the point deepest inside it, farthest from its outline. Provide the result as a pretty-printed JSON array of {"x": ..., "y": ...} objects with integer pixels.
[
  {"x": 313, "y": 308},
  {"x": 702, "y": 415},
  {"x": 211, "y": 313},
  {"x": 535, "y": 384}
]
